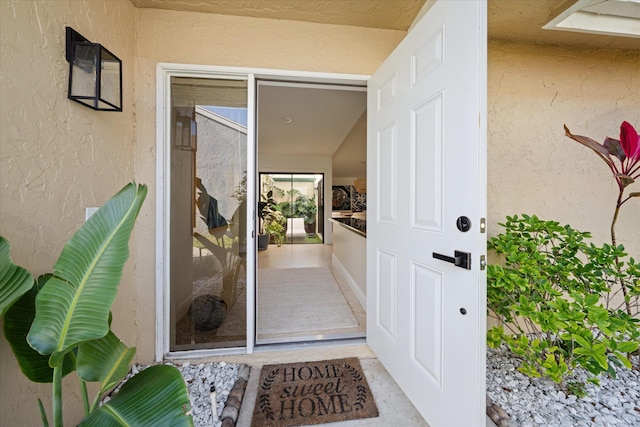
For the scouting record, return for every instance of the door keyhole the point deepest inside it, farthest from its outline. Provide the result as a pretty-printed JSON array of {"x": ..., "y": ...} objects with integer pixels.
[{"x": 463, "y": 223}]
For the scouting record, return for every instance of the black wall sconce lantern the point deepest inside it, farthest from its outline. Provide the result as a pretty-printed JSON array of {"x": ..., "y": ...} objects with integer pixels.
[{"x": 95, "y": 74}]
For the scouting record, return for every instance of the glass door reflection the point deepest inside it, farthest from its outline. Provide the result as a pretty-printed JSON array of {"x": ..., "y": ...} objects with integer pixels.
[{"x": 208, "y": 213}]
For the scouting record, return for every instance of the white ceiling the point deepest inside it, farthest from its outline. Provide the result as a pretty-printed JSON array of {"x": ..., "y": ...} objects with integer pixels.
[
  {"x": 320, "y": 119},
  {"x": 295, "y": 118}
]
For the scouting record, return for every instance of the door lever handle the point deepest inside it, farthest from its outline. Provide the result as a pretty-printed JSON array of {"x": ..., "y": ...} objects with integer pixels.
[{"x": 460, "y": 259}]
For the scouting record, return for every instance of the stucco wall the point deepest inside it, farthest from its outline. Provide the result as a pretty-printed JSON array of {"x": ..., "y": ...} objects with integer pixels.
[
  {"x": 206, "y": 39},
  {"x": 59, "y": 157},
  {"x": 56, "y": 158},
  {"x": 532, "y": 167}
]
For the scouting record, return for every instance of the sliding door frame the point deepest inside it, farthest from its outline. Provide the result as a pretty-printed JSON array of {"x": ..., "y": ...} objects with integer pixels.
[
  {"x": 164, "y": 72},
  {"x": 319, "y": 219}
]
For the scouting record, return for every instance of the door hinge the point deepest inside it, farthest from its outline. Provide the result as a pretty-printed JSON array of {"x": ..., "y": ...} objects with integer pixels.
[
  {"x": 483, "y": 262},
  {"x": 483, "y": 225}
]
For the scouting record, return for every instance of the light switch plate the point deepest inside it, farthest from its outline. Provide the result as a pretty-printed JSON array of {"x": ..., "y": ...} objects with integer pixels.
[{"x": 89, "y": 211}]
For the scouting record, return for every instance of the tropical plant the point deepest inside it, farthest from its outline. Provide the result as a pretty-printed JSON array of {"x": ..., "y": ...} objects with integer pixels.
[
  {"x": 61, "y": 323},
  {"x": 627, "y": 151},
  {"x": 275, "y": 225},
  {"x": 306, "y": 208},
  {"x": 548, "y": 295},
  {"x": 278, "y": 193},
  {"x": 240, "y": 193},
  {"x": 266, "y": 208},
  {"x": 285, "y": 208}
]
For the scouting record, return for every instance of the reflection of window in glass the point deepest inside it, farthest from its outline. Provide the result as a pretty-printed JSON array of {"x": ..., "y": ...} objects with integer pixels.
[{"x": 208, "y": 213}]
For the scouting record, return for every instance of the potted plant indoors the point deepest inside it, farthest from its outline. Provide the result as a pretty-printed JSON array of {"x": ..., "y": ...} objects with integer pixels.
[
  {"x": 307, "y": 208},
  {"x": 274, "y": 226},
  {"x": 266, "y": 208}
]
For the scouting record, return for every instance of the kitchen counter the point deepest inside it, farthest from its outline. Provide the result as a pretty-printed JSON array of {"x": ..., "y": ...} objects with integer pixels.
[{"x": 357, "y": 225}]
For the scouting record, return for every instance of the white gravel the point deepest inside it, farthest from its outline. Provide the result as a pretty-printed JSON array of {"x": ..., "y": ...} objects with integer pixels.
[
  {"x": 199, "y": 379},
  {"x": 527, "y": 401},
  {"x": 539, "y": 402}
]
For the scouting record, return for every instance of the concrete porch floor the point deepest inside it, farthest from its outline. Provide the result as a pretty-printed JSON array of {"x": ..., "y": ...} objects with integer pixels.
[{"x": 394, "y": 407}]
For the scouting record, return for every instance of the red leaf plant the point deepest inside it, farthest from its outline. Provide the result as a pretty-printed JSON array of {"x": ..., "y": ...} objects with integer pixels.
[{"x": 625, "y": 171}]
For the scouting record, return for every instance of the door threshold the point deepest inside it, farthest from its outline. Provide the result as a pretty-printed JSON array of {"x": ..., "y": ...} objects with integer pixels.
[
  {"x": 313, "y": 342},
  {"x": 220, "y": 353},
  {"x": 291, "y": 339}
]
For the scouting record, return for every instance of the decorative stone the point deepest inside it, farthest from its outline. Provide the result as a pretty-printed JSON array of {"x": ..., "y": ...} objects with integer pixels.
[
  {"x": 528, "y": 402},
  {"x": 207, "y": 312}
]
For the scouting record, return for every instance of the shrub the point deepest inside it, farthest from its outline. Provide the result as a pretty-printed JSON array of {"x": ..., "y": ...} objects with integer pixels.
[{"x": 553, "y": 297}]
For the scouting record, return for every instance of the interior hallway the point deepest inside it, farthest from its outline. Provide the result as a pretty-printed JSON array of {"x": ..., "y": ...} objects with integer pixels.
[
  {"x": 295, "y": 256},
  {"x": 308, "y": 256}
]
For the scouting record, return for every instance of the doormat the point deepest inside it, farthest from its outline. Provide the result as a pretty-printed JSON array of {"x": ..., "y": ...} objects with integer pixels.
[{"x": 301, "y": 394}]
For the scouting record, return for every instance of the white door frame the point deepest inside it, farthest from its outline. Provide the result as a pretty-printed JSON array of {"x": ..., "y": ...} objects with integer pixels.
[{"x": 164, "y": 72}]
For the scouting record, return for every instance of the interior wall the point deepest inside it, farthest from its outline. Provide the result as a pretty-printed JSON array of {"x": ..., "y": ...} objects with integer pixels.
[
  {"x": 56, "y": 158},
  {"x": 533, "y": 167},
  {"x": 347, "y": 252},
  {"x": 344, "y": 180},
  {"x": 349, "y": 160}
]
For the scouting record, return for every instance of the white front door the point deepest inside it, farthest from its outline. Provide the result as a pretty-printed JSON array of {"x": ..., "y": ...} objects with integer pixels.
[{"x": 426, "y": 169}]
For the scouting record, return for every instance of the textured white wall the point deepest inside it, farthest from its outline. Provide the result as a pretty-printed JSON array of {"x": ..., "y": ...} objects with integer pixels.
[{"x": 533, "y": 168}]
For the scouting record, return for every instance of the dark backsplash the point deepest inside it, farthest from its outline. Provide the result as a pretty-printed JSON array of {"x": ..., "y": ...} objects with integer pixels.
[{"x": 346, "y": 198}]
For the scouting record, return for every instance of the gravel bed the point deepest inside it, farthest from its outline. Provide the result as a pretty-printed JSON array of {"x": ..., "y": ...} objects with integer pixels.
[
  {"x": 199, "y": 379},
  {"x": 537, "y": 402},
  {"x": 527, "y": 401}
]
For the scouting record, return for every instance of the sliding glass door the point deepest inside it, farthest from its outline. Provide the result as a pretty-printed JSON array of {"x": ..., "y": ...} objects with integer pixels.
[
  {"x": 295, "y": 210},
  {"x": 208, "y": 232}
]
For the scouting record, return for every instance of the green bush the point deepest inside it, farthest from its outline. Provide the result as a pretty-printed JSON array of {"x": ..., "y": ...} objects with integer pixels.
[{"x": 554, "y": 294}]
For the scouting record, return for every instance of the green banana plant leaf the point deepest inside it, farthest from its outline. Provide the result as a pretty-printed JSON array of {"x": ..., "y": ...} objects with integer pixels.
[
  {"x": 156, "y": 396},
  {"x": 15, "y": 281},
  {"x": 106, "y": 360},
  {"x": 74, "y": 306},
  {"x": 17, "y": 322}
]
